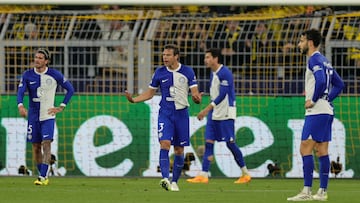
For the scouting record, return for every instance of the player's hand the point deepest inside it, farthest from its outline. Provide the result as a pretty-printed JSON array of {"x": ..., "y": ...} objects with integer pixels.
[
  {"x": 201, "y": 115},
  {"x": 309, "y": 104},
  {"x": 129, "y": 96},
  {"x": 22, "y": 111},
  {"x": 55, "y": 110},
  {"x": 197, "y": 98}
]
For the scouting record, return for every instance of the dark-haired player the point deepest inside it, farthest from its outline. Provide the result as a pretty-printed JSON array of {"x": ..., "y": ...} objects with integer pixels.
[
  {"x": 322, "y": 86},
  {"x": 174, "y": 80},
  {"x": 41, "y": 83},
  {"x": 221, "y": 115}
]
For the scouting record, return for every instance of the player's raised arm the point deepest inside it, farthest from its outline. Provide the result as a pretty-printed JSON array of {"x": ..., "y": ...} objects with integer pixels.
[{"x": 148, "y": 94}]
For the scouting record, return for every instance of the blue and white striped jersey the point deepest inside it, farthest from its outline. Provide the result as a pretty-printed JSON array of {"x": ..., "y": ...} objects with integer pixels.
[
  {"x": 42, "y": 89},
  {"x": 222, "y": 94},
  {"x": 174, "y": 86},
  {"x": 322, "y": 84}
]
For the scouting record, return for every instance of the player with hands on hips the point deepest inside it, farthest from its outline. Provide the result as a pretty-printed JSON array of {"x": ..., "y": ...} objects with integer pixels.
[
  {"x": 322, "y": 86},
  {"x": 41, "y": 83}
]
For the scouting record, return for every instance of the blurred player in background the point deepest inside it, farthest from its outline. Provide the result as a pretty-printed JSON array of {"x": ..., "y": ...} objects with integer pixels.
[
  {"x": 322, "y": 86},
  {"x": 221, "y": 115},
  {"x": 54, "y": 170},
  {"x": 174, "y": 80},
  {"x": 41, "y": 83}
]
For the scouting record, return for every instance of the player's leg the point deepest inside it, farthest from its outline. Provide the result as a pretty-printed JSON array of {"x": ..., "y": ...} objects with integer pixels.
[
  {"x": 37, "y": 153},
  {"x": 324, "y": 169},
  {"x": 34, "y": 136},
  {"x": 47, "y": 133},
  {"x": 322, "y": 152},
  {"x": 238, "y": 156},
  {"x": 203, "y": 176},
  {"x": 165, "y": 134},
  {"x": 181, "y": 139},
  {"x": 226, "y": 130},
  {"x": 178, "y": 163},
  {"x": 177, "y": 167},
  {"x": 164, "y": 163},
  {"x": 306, "y": 149}
]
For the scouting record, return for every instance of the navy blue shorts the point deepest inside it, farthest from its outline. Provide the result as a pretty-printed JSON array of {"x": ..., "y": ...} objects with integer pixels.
[
  {"x": 317, "y": 127},
  {"x": 173, "y": 125},
  {"x": 39, "y": 131},
  {"x": 221, "y": 131}
]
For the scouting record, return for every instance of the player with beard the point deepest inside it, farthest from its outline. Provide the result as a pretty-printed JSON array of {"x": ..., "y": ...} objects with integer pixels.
[{"x": 322, "y": 86}]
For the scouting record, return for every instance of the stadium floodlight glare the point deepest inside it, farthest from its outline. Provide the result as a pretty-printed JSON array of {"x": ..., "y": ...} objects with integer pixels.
[{"x": 183, "y": 2}]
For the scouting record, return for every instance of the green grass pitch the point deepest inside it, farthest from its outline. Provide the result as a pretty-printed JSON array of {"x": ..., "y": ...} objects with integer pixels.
[{"x": 99, "y": 190}]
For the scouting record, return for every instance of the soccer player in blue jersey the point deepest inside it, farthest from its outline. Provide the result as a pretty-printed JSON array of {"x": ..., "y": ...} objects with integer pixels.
[
  {"x": 41, "y": 83},
  {"x": 175, "y": 80},
  {"x": 322, "y": 86},
  {"x": 221, "y": 115}
]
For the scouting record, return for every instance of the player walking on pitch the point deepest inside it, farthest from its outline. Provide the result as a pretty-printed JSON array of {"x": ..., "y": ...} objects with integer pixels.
[
  {"x": 41, "y": 83},
  {"x": 322, "y": 86},
  {"x": 221, "y": 115},
  {"x": 174, "y": 80}
]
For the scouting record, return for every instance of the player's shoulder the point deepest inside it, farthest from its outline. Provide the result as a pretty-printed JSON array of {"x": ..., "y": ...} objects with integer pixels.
[
  {"x": 186, "y": 66},
  {"x": 224, "y": 71},
  {"x": 54, "y": 72},
  {"x": 317, "y": 58},
  {"x": 186, "y": 69},
  {"x": 29, "y": 73}
]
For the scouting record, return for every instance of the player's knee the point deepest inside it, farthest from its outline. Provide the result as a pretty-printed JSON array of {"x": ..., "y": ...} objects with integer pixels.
[
  {"x": 179, "y": 150},
  {"x": 165, "y": 144},
  {"x": 321, "y": 152}
]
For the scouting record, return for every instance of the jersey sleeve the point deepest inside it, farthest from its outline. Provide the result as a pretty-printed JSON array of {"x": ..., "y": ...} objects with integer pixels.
[
  {"x": 21, "y": 89},
  {"x": 63, "y": 82},
  {"x": 337, "y": 86},
  {"x": 320, "y": 80},
  {"x": 69, "y": 91},
  {"x": 225, "y": 80},
  {"x": 155, "y": 82},
  {"x": 192, "y": 78}
]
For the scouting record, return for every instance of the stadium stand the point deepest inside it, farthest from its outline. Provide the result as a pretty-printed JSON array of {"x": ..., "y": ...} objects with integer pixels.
[{"x": 260, "y": 45}]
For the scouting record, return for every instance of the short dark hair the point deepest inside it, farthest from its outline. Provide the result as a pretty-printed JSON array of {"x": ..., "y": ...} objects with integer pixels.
[
  {"x": 215, "y": 52},
  {"x": 173, "y": 47},
  {"x": 314, "y": 35}
]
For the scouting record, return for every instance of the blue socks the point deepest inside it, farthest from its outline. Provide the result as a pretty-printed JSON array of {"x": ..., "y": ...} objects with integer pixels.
[
  {"x": 308, "y": 168},
  {"x": 209, "y": 151},
  {"x": 324, "y": 169},
  {"x": 238, "y": 156},
  {"x": 164, "y": 163},
  {"x": 178, "y": 166},
  {"x": 44, "y": 170}
]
